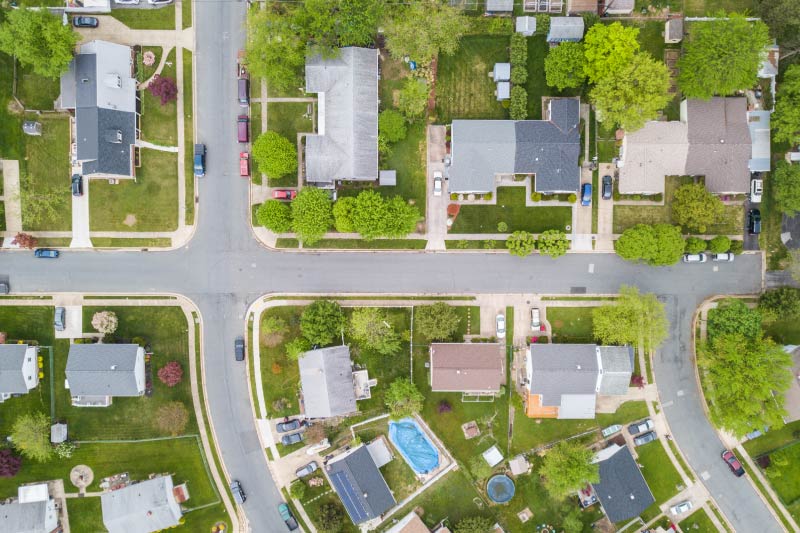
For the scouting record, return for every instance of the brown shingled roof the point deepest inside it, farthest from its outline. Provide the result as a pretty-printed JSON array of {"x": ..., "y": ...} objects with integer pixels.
[{"x": 467, "y": 367}]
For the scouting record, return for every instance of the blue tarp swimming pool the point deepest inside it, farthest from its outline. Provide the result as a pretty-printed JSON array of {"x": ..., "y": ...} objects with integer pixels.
[{"x": 415, "y": 447}]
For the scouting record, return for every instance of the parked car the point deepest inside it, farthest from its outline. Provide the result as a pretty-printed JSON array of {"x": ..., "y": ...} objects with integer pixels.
[
  {"x": 694, "y": 258},
  {"x": 238, "y": 492},
  {"x": 47, "y": 253},
  {"x": 437, "y": 183},
  {"x": 4, "y": 287},
  {"x": 586, "y": 194},
  {"x": 291, "y": 425},
  {"x": 536, "y": 322},
  {"x": 644, "y": 438},
  {"x": 306, "y": 470},
  {"x": 238, "y": 348},
  {"x": 639, "y": 427},
  {"x": 292, "y": 438},
  {"x": 159, "y": 1},
  {"x": 733, "y": 463},
  {"x": 284, "y": 194},
  {"x": 85, "y": 22},
  {"x": 754, "y": 221},
  {"x": 60, "y": 319},
  {"x": 681, "y": 508},
  {"x": 756, "y": 190},
  {"x": 243, "y": 128},
  {"x": 500, "y": 322},
  {"x": 727, "y": 257},
  {"x": 77, "y": 185},
  {"x": 608, "y": 187},
  {"x": 244, "y": 164},
  {"x": 610, "y": 430},
  {"x": 288, "y": 519},
  {"x": 199, "y": 160}
]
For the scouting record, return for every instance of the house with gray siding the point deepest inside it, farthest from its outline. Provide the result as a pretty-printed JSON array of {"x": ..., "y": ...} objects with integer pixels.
[
  {"x": 96, "y": 373},
  {"x": 141, "y": 507},
  {"x": 19, "y": 371},
  {"x": 33, "y": 511},
  {"x": 326, "y": 382}
]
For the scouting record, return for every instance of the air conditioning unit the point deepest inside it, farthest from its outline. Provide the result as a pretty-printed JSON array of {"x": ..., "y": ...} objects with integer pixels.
[{"x": 113, "y": 181}]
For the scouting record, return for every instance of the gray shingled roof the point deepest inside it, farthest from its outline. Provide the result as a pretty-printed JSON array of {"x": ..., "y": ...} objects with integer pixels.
[
  {"x": 674, "y": 29},
  {"x": 565, "y": 29},
  {"x": 622, "y": 490},
  {"x": 141, "y": 508},
  {"x": 12, "y": 356},
  {"x": 31, "y": 517},
  {"x": 360, "y": 485},
  {"x": 346, "y": 146},
  {"x": 103, "y": 370},
  {"x": 563, "y": 369},
  {"x": 617, "y": 364},
  {"x": 326, "y": 377}
]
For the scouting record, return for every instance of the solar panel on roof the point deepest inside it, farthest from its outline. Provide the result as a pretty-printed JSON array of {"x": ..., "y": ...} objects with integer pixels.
[{"x": 348, "y": 496}]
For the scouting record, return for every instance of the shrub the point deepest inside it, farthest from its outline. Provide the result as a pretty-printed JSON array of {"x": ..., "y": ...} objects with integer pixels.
[
  {"x": 719, "y": 244},
  {"x": 392, "y": 125},
  {"x": 536, "y": 197},
  {"x": 694, "y": 245},
  {"x": 165, "y": 89},
  {"x": 275, "y": 216},
  {"x": 105, "y": 322},
  {"x": 487, "y": 196},
  {"x": 519, "y": 74},
  {"x": 453, "y": 196},
  {"x": 519, "y": 49},
  {"x": 572, "y": 198},
  {"x": 9, "y": 463},
  {"x": 275, "y": 155},
  {"x": 170, "y": 374},
  {"x": 444, "y": 407},
  {"x": 737, "y": 247},
  {"x": 23, "y": 240},
  {"x": 518, "y": 109},
  {"x": 296, "y": 347},
  {"x": 502, "y": 227},
  {"x": 542, "y": 23},
  {"x": 64, "y": 450},
  {"x": 298, "y": 490}
]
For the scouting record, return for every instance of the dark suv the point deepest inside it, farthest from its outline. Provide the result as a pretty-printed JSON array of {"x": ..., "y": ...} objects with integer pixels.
[
  {"x": 77, "y": 185},
  {"x": 238, "y": 348},
  {"x": 608, "y": 187},
  {"x": 754, "y": 221}
]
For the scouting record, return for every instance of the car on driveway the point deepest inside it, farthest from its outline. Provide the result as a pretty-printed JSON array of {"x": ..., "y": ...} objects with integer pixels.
[
  {"x": 306, "y": 470},
  {"x": 437, "y": 183},
  {"x": 754, "y": 222},
  {"x": 238, "y": 491},
  {"x": 292, "y": 438},
  {"x": 77, "y": 185},
  {"x": 238, "y": 348},
  {"x": 681, "y": 508},
  {"x": 644, "y": 438},
  {"x": 85, "y": 22},
  {"x": 284, "y": 194},
  {"x": 726, "y": 257},
  {"x": 47, "y": 253},
  {"x": 694, "y": 258},
  {"x": 733, "y": 463},
  {"x": 536, "y": 322},
  {"x": 287, "y": 516},
  {"x": 289, "y": 425},
  {"x": 639, "y": 427},
  {"x": 586, "y": 194},
  {"x": 608, "y": 187},
  {"x": 500, "y": 323},
  {"x": 756, "y": 190},
  {"x": 199, "y": 160},
  {"x": 59, "y": 319}
]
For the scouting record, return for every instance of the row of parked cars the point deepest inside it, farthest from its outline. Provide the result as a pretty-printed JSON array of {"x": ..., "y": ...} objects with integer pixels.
[{"x": 240, "y": 497}]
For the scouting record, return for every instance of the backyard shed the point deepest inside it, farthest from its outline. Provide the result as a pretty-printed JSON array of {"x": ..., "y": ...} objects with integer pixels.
[
  {"x": 387, "y": 178},
  {"x": 501, "y": 72},
  {"x": 492, "y": 456},
  {"x": 565, "y": 29},
  {"x": 503, "y": 90},
  {"x": 499, "y": 6},
  {"x": 673, "y": 31},
  {"x": 618, "y": 7},
  {"x": 58, "y": 433},
  {"x": 526, "y": 25}
]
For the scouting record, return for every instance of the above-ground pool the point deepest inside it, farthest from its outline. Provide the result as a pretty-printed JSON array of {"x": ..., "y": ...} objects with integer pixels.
[
  {"x": 414, "y": 445},
  {"x": 500, "y": 489}
]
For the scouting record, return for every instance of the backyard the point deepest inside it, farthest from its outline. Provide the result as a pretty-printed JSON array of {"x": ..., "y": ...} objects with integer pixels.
[
  {"x": 36, "y": 92},
  {"x": 699, "y": 8},
  {"x": 159, "y": 122},
  {"x": 511, "y": 209},
  {"x": 783, "y": 442},
  {"x": 571, "y": 324}
]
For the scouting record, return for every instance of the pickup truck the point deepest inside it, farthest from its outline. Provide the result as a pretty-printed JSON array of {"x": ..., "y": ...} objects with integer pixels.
[
  {"x": 288, "y": 519},
  {"x": 199, "y": 160}
]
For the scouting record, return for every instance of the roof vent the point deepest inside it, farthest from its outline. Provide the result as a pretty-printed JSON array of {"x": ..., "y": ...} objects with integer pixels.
[
  {"x": 632, "y": 496},
  {"x": 722, "y": 141},
  {"x": 113, "y": 80},
  {"x": 114, "y": 136},
  {"x": 578, "y": 367}
]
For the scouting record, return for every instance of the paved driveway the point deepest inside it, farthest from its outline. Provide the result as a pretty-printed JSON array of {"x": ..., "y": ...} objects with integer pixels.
[
  {"x": 436, "y": 211},
  {"x": 80, "y": 219}
]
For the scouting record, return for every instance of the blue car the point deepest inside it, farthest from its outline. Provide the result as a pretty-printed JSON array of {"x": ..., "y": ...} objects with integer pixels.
[
  {"x": 586, "y": 194},
  {"x": 199, "y": 160},
  {"x": 46, "y": 253}
]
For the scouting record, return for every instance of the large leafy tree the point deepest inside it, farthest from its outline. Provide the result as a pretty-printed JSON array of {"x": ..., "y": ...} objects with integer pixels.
[
  {"x": 521, "y": 243},
  {"x": 275, "y": 155},
  {"x": 39, "y": 40},
  {"x": 343, "y": 212},
  {"x": 403, "y": 398},
  {"x": 747, "y": 378},
  {"x": 553, "y": 242},
  {"x": 322, "y": 322},
  {"x": 567, "y": 467},
  {"x": 401, "y": 218},
  {"x": 413, "y": 99},
  {"x": 437, "y": 322},
  {"x": 783, "y": 302},
  {"x": 657, "y": 245},
  {"x": 733, "y": 316},
  {"x": 694, "y": 208},
  {"x": 786, "y": 187},
  {"x": 392, "y": 125},
  {"x": 633, "y": 319},
  {"x": 330, "y": 24},
  {"x": 423, "y": 29},
  {"x": 330, "y": 518},
  {"x": 370, "y": 326},
  {"x": 30, "y": 435},
  {"x": 275, "y": 216},
  {"x": 276, "y": 45},
  {"x": 372, "y": 216},
  {"x": 786, "y": 118},
  {"x": 722, "y": 56},
  {"x": 311, "y": 214},
  {"x": 634, "y": 95},
  {"x": 39, "y": 201},
  {"x": 783, "y": 19},
  {"x": 564, "y": 66},
  {"x": 608, "y": 49}
]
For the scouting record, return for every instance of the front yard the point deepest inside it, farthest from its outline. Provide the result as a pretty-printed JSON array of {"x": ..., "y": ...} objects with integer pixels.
[
  {"x": 698, "y": 522},
  {"x": 511, "y": 209},
  {"x": 661, "y": 476},
  {"x": 159, "y": 123},
  {"x": 162, "y": 18},
  {"x": 571, "y": 324}
]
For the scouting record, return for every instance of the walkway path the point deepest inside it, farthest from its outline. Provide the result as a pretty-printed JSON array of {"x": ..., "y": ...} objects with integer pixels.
[
  {"x": 12, "y": 200},
  {"x": 160, "y": 148},
  {"x": 146, "y": 83}
]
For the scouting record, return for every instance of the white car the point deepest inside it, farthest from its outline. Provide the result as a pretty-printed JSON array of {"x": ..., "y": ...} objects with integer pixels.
[
  {"x": 681, "y": 508},
  {"x": 756, "y": 190},
  {"x": 437, "y": 183},
  {"x": 694, "y": 258},
  {"x": 134, "y": 2},
  {"x": 535, "y": 321},
  {"x": 500, "y": 321},
  {"x": 159, "y": 1}
]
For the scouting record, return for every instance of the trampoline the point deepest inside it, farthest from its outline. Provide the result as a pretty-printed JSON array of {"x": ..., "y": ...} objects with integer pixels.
[
  {"x": 415, "y": 447},
  {"x": 500, "y": 489}
]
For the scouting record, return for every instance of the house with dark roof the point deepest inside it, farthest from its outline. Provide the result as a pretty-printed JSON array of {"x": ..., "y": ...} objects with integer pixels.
[
  {"x": 482, "y": 150},
  {"x": 469, "y": 368},
  {"x": 141, "y": 507},
  {"x": 360, "y": 485},
  {"x": 33, "y": 511},
  {"x": 622, "y": 491},
  {"x": 96, "y": 373},
  {"x": 19, "y": 371},
  {"x": 345, "y": 147},
  {"x": 328, "y": 384},
  {"x": 564, "y": 380},
  {"x": 100, "y": 89}
]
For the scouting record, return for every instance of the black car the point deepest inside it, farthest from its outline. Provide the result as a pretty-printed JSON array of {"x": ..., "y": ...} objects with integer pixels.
[
  {"x": 754, "y": 221},
  {"x": 607, "y": 187},
  {"x": 238, "y": 347},
  {"x": 77, "y": 185},
  {"x": 291, "y": 425},
  {"x": 292, "y": 438},
  {"x": 85, "y": 22}
]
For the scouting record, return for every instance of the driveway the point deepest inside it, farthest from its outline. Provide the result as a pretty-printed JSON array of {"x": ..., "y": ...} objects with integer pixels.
[
  {"x": 750, "y": 241},
  {"x": 80, "y": 219},
  {"x": 73, "y": 327},
  {"x": 436, "y": 208}
]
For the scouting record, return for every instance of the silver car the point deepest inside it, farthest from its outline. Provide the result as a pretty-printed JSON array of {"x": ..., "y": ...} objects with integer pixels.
[
  {"x": 306, "y": 470},
  {"x": 60, "y": 319},
  {"x": 681, "y": 507},
  {"x": 437, "y": 183},
  {"x": 500, "y": 322}
]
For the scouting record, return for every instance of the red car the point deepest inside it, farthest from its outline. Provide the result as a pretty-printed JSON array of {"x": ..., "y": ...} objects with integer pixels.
[
  {"x": 244, "y": 164},
  {"x": 733, "y": 463},
  {"x": 284, "y": 194}
]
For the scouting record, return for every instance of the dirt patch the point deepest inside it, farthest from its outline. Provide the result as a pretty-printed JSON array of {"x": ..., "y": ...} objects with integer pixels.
[
  {"x": 558, "y": 324},
  {"x": 395, "y": 97},
  {"x": 130, "y": 220},
  {"x": 271, "y": 339}
]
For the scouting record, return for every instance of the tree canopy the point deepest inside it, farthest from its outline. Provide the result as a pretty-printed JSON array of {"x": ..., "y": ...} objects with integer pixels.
[
  {"x": 275, "y": 216},
  {"x": 322, "y": 322},
  {"x": 413, "y": 98},
  {"x": 608, "y": 49},
  {"x": 39, "y": 40},
  {"x": 719, "y": 244},
  {"x": 786, "y": 187},
  {"x": 311, "y": 214},
  {"x": 783, "y": 19},
  {"x": 783, "y": 302},
  {"x": 722, "y": 56},
  {"x": 370, "y": 326},
  {"x": 564, "y": 66},
  {"x": 553, "y": 242},
  {"x": 733, "y": 316},
  {"x": 657, "y": 245},
  {"x": 695, "y": 245},
  {"x": 786, "y": 118},
  {"x": 403, "y": 398},
  {"x": 372, "y": 216},
  {"x": 567, "y": 467},
  {"x": 275, "y": 155},
  {"x": 521, "y": 243},
  {"x": 343, "y": 211},
  {"x": 392, "y": 125},
  {"x": 474, "y": 524},
  {"x": 695, "y": 208},
  {"x": 423, "y": 29},
  {"x": 30, "y": 435},
  {"x": 436, "y": 322},
  {"x": 633, "y": 319}
]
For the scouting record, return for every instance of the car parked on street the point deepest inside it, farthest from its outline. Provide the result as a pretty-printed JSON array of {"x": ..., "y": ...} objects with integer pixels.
[
  {"x": 243, "y": 128},
  {"x": 681, "y": 508},
  {"x": 437, "y": 183},
  {"x": 287, "y": 516},
  {"x": 4, "y": 287},
  {"x": 289, "y": 425},
  {"x": 238, "y": 492},
  {"x": 639, "y": 427},
  {"x": 60, "y": 319},
  {"x": 292, "y": 438},
  {"x": 238, "y": 348},
  {"x": 155, "y": 2},
  {"x": 754, "y": 221},
  {"x": 85, "y": 22},
  {"x": 77, "y": 185},
  {"x": 47, "y": 253},
  {"x": 586, "y": 194},
  {"x": 536, "y": 322},
  {"x": 644, "y": 438},
  {"x": 284, "y": 194},
  {"x": 199, "y": 160},
  {"x": 756, "y": 191},
  {"x": 306, "y": 470},
  {"x": 608, "y": 187},
  {"x": 127, "y": 2},
  {"x": 244, "y": 164},
  {"x": 726, "y": 257},
  {"x": 500, "y": 323},
  {"x": 733, "y": 463},
  {"x": 694, "y": 258}
]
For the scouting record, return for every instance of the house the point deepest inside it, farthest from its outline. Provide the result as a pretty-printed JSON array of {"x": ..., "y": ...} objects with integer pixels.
[
  {"x": 549, "y": 148},
  {"x": 96, "y": 373},
  {"x": 617, "y": 7},
  {"x": 673, "y": 30},
  {"x": 19, "y": 371},
  {"x": 712, "y": 139},
  {"x": 499, "y": 7},
  {"x": 33, "y": 511},
  {"x": 359, "y": 484},
  {"x": 565, "y": 29},
  {"x": 526, "y": 25},
  {"x": 329, "y": 385},
  {"x": 141, "y": 507},
  {"x": 410, "y": 523},
  {"x": 345, "y": 147},
  {"x": 100, "y": 89},
  {"x": 470, "y": 368},
  {"x": 564, "y": 380},
  {"x": 622, "y": 491}
]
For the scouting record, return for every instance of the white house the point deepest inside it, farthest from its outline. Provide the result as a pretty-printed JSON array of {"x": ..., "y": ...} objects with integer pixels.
[
  {"x": 19, "y": 371},
  {"x": 98, "y": 372}
]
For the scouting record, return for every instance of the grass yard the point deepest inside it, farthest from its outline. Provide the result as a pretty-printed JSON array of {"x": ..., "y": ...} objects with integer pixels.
[
  {"x": 144, "y": 72},
  {"x": 162, "y": 18},
  {"x": 470, "y": 323},
  {"x": 35, "y": 91},
  {"x": 398, "y": 475},
  {"x": 571, "y": 324},
  {"x": 280, "y": 376},
  {"x": 699, "y": 8},
  {"x": 188, "y": 130},
  {"x": 698, "y": 522},
  {"x": 186, "y": 13},
  {"x": 2, "y": 214},
  {"x": 287, "y": 118},
  {"x": 159, "y": 123},
  {"x": 85, "y": 515},
  {"x": 662, "y": 478},
  {"x": 12, "y": 145},
  {"x": 112, "y": 242},
  {"x": 408, "y": 159},
  {"x": 773, "y": 439},
  {"x": 463, "y": 86},
  {"x": 313, "y": 511},
  {"x": 148, "y": 204},
  {"x": 783, "y": 331},
  {"x": 651, "y": 37},
  {"x": 393, "y": 72},
  {"x": 463, "y": 244},
  {"x": 787, "y": 485},
  {"x": 537, "y": 84},
  {"x": 511, "y": 209}
]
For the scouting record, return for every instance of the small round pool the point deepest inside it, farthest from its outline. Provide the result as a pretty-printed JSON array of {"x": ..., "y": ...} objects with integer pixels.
[{"x": 500, "y": 489}]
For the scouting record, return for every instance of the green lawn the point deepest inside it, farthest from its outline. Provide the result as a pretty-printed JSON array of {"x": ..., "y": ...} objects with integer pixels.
[
  {"x": 186, "y": 13},
  {"x": 661, "y": 476},
  {"x": 408, "y": 159},
  {"x": 773, "y": 439},
  {"x": 606, "y": 145},
  {"x": 699, "y": 8},
  {"x": 159, "y": 123},
  {"x": 571, "y": 324},
  {"x": 537, "y": 84},
  {"x": 312, "y": 509},
  {"x": 162, "y": 18},
  {"x": 188, "y": 130},
  {"x": 785, "y": 331},
  {"x": 2, "y": 213},
  {"x": 11, "y": 142},
  {"x": 85, "y": 515},
  {"x": 463, "y": 86},
  {"x": 360, "y": 244},
  {"x": 286, "y": 118},
  {"x": 787, "y": 485},
  {"x": 698, "y": 522},
  {"x": 144, "y": 72},
  {"x": 35, "y": 91},
  {"x": 111, "y": 242},
  {"x": 510, "y": 208},
  {"x": 393, "y": 72},
  {"x": 148, "y": 204},
  {"x": 280, "y": 376}
]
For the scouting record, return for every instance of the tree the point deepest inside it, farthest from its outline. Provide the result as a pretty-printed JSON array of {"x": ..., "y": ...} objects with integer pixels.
[
  {"x": 392, "y": 125},
  {"x": 413, "y": 99},
  {"x": 786, "y": 118},
  {"x": 519, "y": 74},
  {"x": 695, "y": 245},
  {"x": 786, "y": 187},
  {"x": 9, "y": 463},
  {"x": 474, "y": 524},
  {"x": 30, "y": 435},
  {"x": 275, "y": 155},
  {"x": 23, "y": 240},
  {"x": 518, "y": 108},
  {"x": 747, "y": 378},
  {"x": 171, "y": 418},
  {"x": 694, "y": 208},
  {"x": 170, "y": 374},
  {"x": 329, "y": 518},
  {"x": 564, "y": 66},
  {"x": 163, "y": 88},
  {"x": 357, "y": 21},
  {"x": 296, "y": 347},
  {"x": 634, "y": 319},
  {"x": 658, "y": 245},
  {"x": 38, "y": 39},
  {"x": 783, "y": 302},
  {"x": 403, "y": 399},
  {"x": 608, "y": 49},
  {"x": 722, "y": 56},
  {"x": 424, "y": 29},
  {"x": 783, "y": 19},
  {"x": 370, "y": 327},
  {"x": 719, "y": 244},
  {"x": 479, "y": 468},
  {"x": 297, "y": 490},
  {"x": 401, "y": 218},
  {"x": 64, "y": 450},
  {"x": 572, "y": 522},
  {"x": 437, "y": 322},
  {"x": 343, "y": 212},
  {"x": 105, "y": 322},
  {"x": 567, "y": 467},
  {"x": 40, "y": 202},
  {"x": 276, "y": 46},
  {"x": 634, "y": 95},
  {"x": 733, "y": 316},
  {"x": 518, "y": 49},
  {"x": 521, "y": 243},
  {"x": 369, "y": 214},
  {"x": 553, "y": 242},
  {"x": 275, "y": 216},
  {"x": 322, "y": 322},
  {"x": 311, "y": 214}
]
